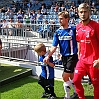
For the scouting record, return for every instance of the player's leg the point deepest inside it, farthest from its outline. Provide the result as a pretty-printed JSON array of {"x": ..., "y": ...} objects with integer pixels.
[
  {"x": 78, "y": 74},
  {"x": 74, "y": 95},
  {"x": 66, "y": 84},
  {"x": 42, "y": 82},
  {"x": 66, "y": 75},
  {"x": 51, "y": 89},
  {"x": 74, "y": 60},
  {"x": 94, "y": 76},
  {"x": 69, "y": 63}
]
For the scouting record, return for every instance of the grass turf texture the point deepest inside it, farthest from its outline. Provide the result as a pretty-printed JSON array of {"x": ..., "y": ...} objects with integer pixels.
[
  {"x": 7, "y": 71},
  {"x": 28, "y": 88}
]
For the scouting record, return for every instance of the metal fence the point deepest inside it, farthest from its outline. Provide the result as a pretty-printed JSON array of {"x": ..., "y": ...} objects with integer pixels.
[
  {"x": 43, "y": 30},
  {"x": 19, "y": 46}
]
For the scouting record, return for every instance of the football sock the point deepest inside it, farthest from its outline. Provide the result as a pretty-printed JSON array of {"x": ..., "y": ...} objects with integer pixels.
[
  {"x": 67, "y": 89},
  {"x": 73, "y": 86}
]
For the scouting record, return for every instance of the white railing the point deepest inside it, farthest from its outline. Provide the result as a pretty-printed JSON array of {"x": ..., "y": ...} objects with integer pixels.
[{"x": 22, "y": 50}]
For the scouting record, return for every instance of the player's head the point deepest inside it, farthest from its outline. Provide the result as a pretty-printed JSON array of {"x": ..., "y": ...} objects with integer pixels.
[
  {"x": 63, "y": 18},
  {"x": 84, "y": 11},
  {"x": 40, "y": 49}
]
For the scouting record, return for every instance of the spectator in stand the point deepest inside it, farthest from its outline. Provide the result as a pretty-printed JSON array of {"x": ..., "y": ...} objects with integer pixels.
[
  {"x": 43, "y": 10},
  {"x": 93, "y": 8},
  {"x": 52, "y": 28},
  {"x": 18, "y": 26},
  {"x": 71, "y": 12},
  {"x": 3, "y": 10},
  {"x": 39, "y": 17},
  {"x": 20, "y": 16},
  {"x": 52, "y": 7},
  {"x": 73, "y": 5},
  {"x": 43, "y": 4},
  {"x": 76, "y": 13},
  {"x": 44, "y": 29},
  {"x": 9, "y": 13},
  {"x": 33, "y": 17},
  {"x": 56, "y": 9},
  {"x": 27, "y": 18},
  {"x": 5, "y": 23},
  {"x": 11, "y": 26},
  {"x": 62, "y": 8},
  {"x": 14, "y": 9},
  {"x": 4, "y": 26}
]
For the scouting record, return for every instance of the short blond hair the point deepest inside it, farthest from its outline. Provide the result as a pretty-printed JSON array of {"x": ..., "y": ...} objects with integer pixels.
[
  {"x": 65, "y": 14},
  {"x": 84, "y": 5},
  {"x": 40, "y": 47}
]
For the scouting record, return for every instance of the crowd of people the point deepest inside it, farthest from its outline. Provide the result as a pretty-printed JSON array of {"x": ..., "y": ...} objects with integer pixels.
[{"x": 38, "y": 12}]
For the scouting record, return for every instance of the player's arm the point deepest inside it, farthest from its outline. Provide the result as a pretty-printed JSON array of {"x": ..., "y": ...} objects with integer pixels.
[
  {"x": 78, "y": 44},
  {"x": 52, "y": 50},
  {"x": 51, "y": 64}
]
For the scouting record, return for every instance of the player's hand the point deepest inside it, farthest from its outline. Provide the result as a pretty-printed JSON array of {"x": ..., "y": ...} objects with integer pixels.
[
  {"x": 46, "y": 59},
  {"x": 96, "y": 64}
]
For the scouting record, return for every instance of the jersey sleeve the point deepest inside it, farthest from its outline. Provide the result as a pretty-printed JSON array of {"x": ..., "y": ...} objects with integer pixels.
[
  {"x": 97, "y": 31},
  {"x": 55, "y": 40},
  {"x": 77, "y": 37}
]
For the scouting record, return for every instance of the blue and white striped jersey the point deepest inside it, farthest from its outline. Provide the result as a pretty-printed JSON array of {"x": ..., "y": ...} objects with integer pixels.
[
  {"x": 47, "y": 71},
  {"x": 66, "y": 38}
]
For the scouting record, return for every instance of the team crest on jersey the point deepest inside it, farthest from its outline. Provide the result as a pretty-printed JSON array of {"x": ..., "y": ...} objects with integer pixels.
[
  {"x": 87, "y": 34},
  {"x": 70, "y": 32}
]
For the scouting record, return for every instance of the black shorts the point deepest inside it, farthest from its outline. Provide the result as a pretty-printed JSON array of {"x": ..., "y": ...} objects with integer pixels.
[
  {"x": 69, "y": 63},
  {"x": 46, "y": 82}
]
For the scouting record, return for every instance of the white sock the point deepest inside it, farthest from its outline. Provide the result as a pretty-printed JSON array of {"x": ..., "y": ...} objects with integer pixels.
[
  {"x": 73, "y": 86},
  {"x": 67, "y": 89}
]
